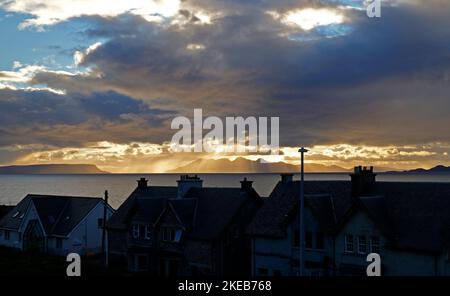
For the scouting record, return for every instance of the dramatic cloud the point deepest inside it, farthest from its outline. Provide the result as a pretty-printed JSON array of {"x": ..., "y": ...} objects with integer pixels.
[{"x": 332, "y": 75}]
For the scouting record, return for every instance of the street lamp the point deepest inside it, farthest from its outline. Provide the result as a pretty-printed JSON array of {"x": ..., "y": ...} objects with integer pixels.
[{"x": 301, "y": 266}]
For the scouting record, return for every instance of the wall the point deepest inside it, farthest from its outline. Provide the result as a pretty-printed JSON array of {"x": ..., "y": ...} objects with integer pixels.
[
  {"x": 15, "y": 240},
  {"x": 281, "y": 255},
  {"x": 86, "y": 237},
  {"x": 394, "y": 262}
]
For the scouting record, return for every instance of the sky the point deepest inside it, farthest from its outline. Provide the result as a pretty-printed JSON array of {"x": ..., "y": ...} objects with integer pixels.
[{"x": 99, "y": 82}]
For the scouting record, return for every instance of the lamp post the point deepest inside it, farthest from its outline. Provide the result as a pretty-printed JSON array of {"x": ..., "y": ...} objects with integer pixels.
[{"x": 301, "y": 266}]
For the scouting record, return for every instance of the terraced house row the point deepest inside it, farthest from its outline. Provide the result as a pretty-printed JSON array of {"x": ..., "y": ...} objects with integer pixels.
[{"x": 190, "y": 229}]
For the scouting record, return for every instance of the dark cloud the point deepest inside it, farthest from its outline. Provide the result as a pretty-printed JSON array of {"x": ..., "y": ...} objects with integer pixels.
[
  {"x": 30, "y": 117},
  {"x": 385, "y": 82}
]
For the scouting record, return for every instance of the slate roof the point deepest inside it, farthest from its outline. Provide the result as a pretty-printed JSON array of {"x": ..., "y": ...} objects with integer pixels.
[
  {"x": 4, "y": 210},
  {"x": 414, "y": 216},
  {"x": 328, "y": 200},
  {"x": 58, "y": 214},
  {"x": 204, "y": 212}
]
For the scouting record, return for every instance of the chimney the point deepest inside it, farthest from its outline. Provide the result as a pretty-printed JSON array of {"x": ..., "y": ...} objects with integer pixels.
[
  {"x": 286, "y": 178},
  {"x": 142, "y": 183},
  {"x": 246, "y": 185},
  {"x": 187, "y": 182},
  {"x": 363, "y": 181}
]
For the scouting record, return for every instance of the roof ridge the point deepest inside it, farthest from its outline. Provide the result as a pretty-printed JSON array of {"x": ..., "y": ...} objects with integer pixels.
[{"x": 32, "y": 195}]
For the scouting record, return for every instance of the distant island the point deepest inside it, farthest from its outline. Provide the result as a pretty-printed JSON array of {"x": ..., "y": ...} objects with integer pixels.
[
  {"x": 242, "y": 165},
  {"x": 51, "y": 169},
  {"x": 436, "y": 169}
]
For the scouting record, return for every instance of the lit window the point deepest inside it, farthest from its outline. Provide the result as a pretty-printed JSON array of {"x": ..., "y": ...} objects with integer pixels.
[
  {"x": 349, "y": 244},
  {"x": 375, "y": 244},
  {"x": 362, "y": 244},
  {"x": 135, "y": 231}
]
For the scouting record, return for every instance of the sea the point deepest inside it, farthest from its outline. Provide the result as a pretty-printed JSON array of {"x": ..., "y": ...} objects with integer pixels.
[{"x": 14, "y": 188}]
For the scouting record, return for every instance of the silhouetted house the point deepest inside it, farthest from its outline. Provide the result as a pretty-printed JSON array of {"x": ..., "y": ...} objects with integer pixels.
[
  {"x": 184, "y": 230},
  {"x": 275, "y": 229},
  {"x": 408, "y": 224},
  {"x": 54, "y": 224}
]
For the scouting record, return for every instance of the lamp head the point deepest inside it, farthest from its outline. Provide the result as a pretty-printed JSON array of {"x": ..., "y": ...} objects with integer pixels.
[{"x": 303, "y": 150}]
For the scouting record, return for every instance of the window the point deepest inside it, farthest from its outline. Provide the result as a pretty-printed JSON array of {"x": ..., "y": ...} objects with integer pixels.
[
  {"x": 59, "y": 243},
  {"x": 7, "y": 234},
  {"x": 263, "y": 271},
  {"x": 135, "y": 230},
  {"x": 362, "y": 244},
  {"x": 320, "y": 241},
  {"x": 375, "y": 244},
  {"x": 349, "y": 244},
  {"x": 170, "y": 234},
  {"x": 100, "y": 223},
  {"x": 148, "y": 232},
  {"x": 308, "y": 239},
  {"x": 141, "y": 231}
]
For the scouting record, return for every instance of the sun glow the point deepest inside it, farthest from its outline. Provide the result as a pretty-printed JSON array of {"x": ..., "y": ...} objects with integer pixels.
[{"x": 309, "y": 18}]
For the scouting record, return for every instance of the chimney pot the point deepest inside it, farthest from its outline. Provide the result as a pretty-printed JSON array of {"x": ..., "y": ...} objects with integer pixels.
[
  {"x": 286, "y": 178},
  {"x": 246, "y": 185},
  {"x": 187, "y": 182},
  {"x": 363, "y": 181},
  {"x": 142, "y": 183}
]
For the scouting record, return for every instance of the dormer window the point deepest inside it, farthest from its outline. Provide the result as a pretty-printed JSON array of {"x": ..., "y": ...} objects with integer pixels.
[
  {"x": 171, "y": 234},
  {"x": 141, "y": 231}
]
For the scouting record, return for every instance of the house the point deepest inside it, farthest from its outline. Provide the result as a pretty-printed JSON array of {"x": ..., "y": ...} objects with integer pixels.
[
  {"x": 184, "y": 230},
  {"x": 275, "y": 228},
  {"x": 55, "y": 224},
  {"x": 407, "y": 224}
]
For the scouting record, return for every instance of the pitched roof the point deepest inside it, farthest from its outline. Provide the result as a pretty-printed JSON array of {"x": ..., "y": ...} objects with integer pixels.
[
  {"x": 149, "y": 201},
  {"x": 4, "y": 210},
  {"x": 328, "y": 200},
  {"x": 58, "y": 214},
  {"x": 204, "y": 212},
  {"x": 416, "y": 215},
  {"x": 412, "y": 216}
]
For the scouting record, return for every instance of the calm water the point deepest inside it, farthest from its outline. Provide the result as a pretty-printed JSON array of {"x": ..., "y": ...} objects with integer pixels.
[{"x": 14, "y": 187}]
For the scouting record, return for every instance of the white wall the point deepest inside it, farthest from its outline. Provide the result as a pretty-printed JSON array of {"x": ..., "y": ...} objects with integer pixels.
[{"x": 86, "y": 237}]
